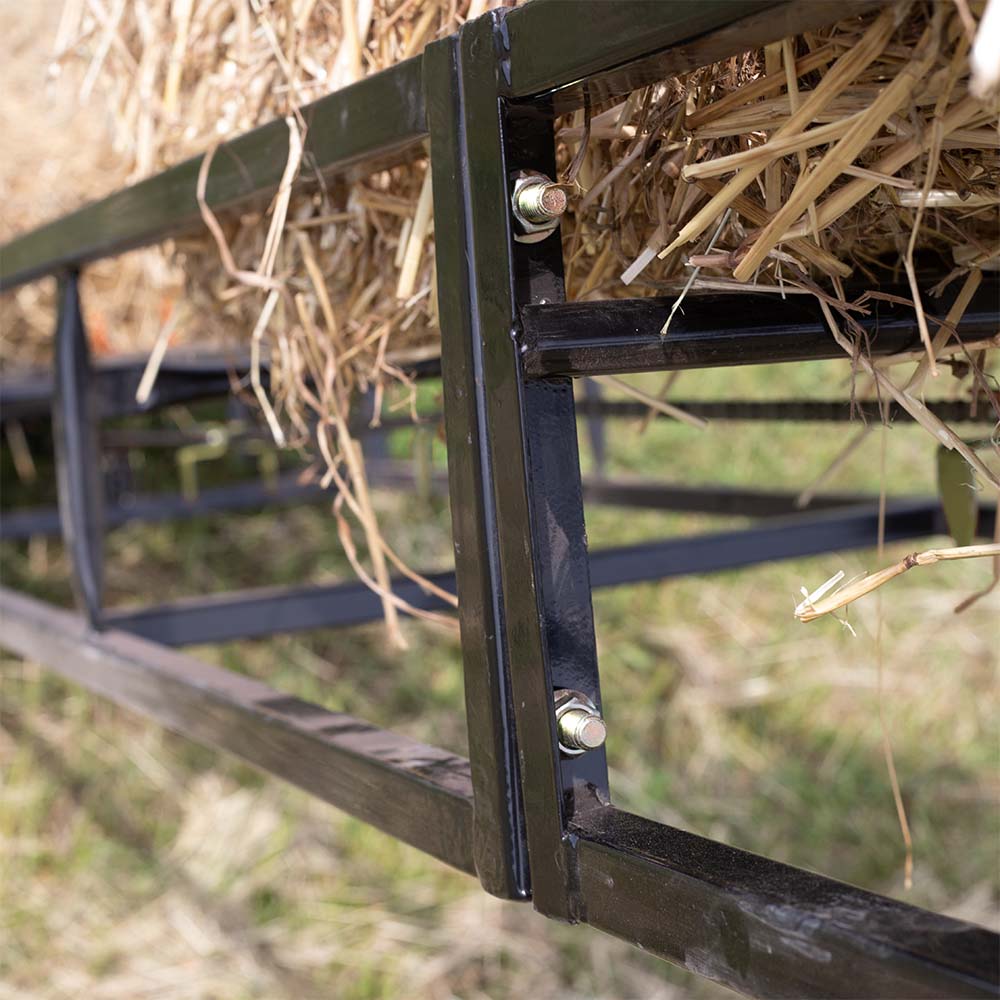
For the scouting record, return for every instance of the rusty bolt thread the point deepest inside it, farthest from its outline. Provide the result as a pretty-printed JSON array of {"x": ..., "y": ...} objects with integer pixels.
[
  {"x": 541, "y": 202},
  {"x": 581, "y": 730}
]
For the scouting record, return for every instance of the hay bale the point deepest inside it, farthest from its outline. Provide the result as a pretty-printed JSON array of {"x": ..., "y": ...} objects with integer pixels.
[{"x": 836, "y": 153}]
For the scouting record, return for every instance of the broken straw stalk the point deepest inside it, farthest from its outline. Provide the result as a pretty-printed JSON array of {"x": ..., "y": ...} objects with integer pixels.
[{"x": 817, "y": 604}]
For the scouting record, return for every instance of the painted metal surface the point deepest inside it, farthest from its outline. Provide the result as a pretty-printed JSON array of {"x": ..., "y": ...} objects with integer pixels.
[
  {"x": 716, "y": 330},
  {"x": 341, "y": 132},
  {"x": 477, "y": 151},
  {"x": 840, "y": 524},
  {"x": 387, "y": 780},
  {"x": 767, "y": 929},
  {"x": 650, "y": 494},
  {"x": 575, "y": 51},
  {"x": 522, "y": 816},
  {"x": 951, "y": 411},
  {"x": 500, "y": 838},
  {"x": 583, "y": 50},
  {"x": 27, "y": 395}
]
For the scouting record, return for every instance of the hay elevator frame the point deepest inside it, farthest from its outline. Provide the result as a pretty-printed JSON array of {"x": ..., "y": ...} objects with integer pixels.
[{"x": 528, "y": 820}]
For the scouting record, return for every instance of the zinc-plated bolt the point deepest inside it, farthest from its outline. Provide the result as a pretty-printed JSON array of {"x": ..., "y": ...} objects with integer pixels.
[
  {"x": 538, "y": 205},
  {"x": 579, "y": 723},
  {"x": 538, "y": 200},
  {"x": 582, "y": 730}
]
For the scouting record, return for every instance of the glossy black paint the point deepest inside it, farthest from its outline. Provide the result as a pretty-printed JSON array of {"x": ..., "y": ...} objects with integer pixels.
[
  {"x": 28, "y": 395},
  {"x": 577, "y": 50},
  {"x": 767, "y": 929},
  {"x": 540, "y": 824},
  {"x": 716, "y": 330},
  {"x": 755, "y": 925},
  {"x": 560, "y": 568},
  {"x": 151, "y": 508},
  {"x": 788, "y": 537},
  {"x": 460, "y": 235},
  {"x": 656, "y": 494},
  {"x": 573, "y": 51},
  {"x": 501, "y": 434},
  {"x": 837, "y": 523},
  {"x": 263, "y": 611},
  {"x": 78, "y": 454}
]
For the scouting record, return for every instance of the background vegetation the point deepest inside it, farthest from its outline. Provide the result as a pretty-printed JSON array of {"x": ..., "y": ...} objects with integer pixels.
[{"x": 138, "y": 864}]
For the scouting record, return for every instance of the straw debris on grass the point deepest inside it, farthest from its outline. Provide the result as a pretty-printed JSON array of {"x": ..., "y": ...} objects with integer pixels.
[{"x": 867, "y": 151}]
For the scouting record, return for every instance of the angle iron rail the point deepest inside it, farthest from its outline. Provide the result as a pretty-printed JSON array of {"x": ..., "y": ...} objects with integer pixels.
[
  {"x": 764, "y": 928},
  {"x": 24, "y": 522},
  {"x": 27, "y": 395},
  {"x": 182, "y": 377},
  {"x": 577, "y": 52},
  {"x": 77, "y": 449},
  {"x": 586, "y": 857},
  {"x": 952, "y": 411},
  {"x": 498, "y": 442},
  {"x": 342, "y": 131}
]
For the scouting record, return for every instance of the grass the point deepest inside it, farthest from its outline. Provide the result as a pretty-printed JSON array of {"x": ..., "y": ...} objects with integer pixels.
[{"x": 136, "y": 863}]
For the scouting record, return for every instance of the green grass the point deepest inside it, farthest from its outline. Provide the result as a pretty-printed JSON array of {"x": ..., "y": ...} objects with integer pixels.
[{"x": 135, "y": 863}]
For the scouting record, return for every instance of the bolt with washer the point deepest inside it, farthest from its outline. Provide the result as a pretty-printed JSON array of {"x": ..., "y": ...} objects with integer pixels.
[
  {"x": 538, "y": 204},
  {"x": 579, "y": 723}
]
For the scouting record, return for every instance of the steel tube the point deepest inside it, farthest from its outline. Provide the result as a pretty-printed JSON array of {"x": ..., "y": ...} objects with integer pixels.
[
  {"x": 716, "y": 330},
  {"x": 767, "y": 929},
  {"x": 414, "y": 792}
]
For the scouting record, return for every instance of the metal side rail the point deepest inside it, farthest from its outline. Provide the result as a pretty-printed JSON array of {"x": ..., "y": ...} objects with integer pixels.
[
  {"x": 184, "y": 378},
  {"x": 581, "y": 51},
  {"x": 529, "y": 816},
  {"x": 257, "y": 495},
  {"x": 341, "y": 131},
  {"x": 263, "y": 611},
  {"x": 390, "y": 781},
  {"x": 717, "y": 330}
]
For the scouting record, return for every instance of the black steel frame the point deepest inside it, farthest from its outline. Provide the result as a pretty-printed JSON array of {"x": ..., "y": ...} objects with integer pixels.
[{"x": 526, "y": 819}]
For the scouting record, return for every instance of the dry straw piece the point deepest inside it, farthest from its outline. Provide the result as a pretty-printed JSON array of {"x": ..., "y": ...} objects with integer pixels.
[
  {"x": 817, "y": 603},
  {"x": 867, "y": 150}
]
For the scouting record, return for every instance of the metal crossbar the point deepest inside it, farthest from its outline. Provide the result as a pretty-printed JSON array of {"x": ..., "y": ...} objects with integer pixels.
[
  {"x": 528, "y": 818},
  {"x": 715, "y": 331}
]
